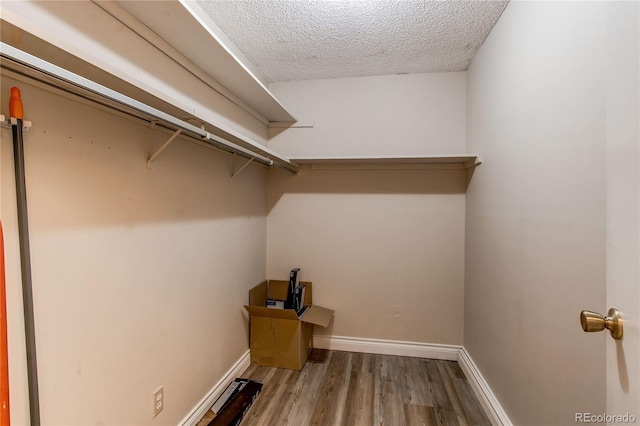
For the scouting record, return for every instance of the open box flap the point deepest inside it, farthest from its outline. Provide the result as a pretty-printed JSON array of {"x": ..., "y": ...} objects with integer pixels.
[
  {"x": 317, "y": 315},
  {"x": 258, "y": 295}
]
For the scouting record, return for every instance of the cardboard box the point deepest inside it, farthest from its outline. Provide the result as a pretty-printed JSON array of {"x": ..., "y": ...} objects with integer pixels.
[{"x": 279, "y": 338}]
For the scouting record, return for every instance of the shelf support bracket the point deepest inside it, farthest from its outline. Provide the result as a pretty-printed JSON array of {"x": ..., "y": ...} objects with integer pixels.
[
  {"x": 166, "y": 144},
  {"x": 236, "y": 173}
]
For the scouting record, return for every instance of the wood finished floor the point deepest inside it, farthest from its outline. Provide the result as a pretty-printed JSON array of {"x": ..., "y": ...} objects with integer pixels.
[{"x": 347, "y": 388}]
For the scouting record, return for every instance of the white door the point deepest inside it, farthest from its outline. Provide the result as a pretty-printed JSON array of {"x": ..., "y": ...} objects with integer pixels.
[{"x": 623, "y": 208}]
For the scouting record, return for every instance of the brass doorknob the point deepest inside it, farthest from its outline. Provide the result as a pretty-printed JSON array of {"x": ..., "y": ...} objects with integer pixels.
[{"x": 592, "y": 321}]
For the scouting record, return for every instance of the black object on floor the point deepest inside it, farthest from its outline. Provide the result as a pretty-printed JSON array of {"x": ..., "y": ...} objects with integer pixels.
[{"x": 234, "y": 410}]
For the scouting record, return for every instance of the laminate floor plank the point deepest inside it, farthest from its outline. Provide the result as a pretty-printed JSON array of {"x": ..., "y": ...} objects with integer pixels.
[
  {"x": 333, "y": 392},
  {"x": 401, "y": 382},
  {"x": 276, "y": 411},
  {"x": 418, "y": 386},
  {"x": 473, "y": 411},
  {"x": 354, "y": 389},
  {"x": 360, "y": 397},
  {"x": 447, "y": 381},
  {"x": 397, "y": 392},
  {"x": 420, "y": 415},
  {"x": 306, "y": 389},
  {"x": 436, "y": 385},
  {"x": 382, "y": 389}
]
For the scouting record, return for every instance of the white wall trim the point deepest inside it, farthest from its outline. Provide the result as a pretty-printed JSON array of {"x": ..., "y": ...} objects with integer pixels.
[
  {"x": 481, "y": 388},
  {"x": 196, "y": 414},
  {"x": 387, "y": 347}
]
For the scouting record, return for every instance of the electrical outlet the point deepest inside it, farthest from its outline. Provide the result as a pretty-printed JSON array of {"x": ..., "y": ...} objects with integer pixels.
[{"x": 158, "y": 401}]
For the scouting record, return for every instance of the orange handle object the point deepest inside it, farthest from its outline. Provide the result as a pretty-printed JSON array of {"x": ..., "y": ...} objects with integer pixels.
[
  {"x": 16, "y": 110},
  {"x": 4, "y": 356}
]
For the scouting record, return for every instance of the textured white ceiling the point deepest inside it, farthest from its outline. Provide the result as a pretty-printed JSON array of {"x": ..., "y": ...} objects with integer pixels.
[{"x": 314, "y": 39}]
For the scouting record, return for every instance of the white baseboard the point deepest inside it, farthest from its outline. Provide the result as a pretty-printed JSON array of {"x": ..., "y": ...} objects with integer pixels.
[
  {"x": 203, "y": 406},
  {"x": 481, "y": 388},
  {"x": 387, "y": 347}
]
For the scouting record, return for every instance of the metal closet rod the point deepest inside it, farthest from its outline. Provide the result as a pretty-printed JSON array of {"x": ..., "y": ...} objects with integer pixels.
[{"x": 41, "y": 66}]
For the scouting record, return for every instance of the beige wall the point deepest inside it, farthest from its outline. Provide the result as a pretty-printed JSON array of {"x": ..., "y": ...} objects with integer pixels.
[
  {"x": 417, "y": 114},
  {"x": 384, "y": 248},
  {"x": 536, "y": 210},
  {"x": 623, "y": 201},
  {"x": 139, "y": 276}
]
